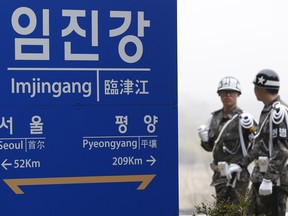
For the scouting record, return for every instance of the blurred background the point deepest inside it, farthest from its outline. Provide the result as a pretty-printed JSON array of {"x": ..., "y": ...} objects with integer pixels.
[{"x": 215, "y": 39}]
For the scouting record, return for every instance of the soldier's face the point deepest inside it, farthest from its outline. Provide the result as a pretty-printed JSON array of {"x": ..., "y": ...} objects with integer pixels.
[
  {"x": 258, "y": 93},
  {"x": 229, "y": 98}
]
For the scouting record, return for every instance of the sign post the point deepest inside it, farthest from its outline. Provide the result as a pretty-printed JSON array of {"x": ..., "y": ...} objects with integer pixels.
[{"x": 88, "y": 122}]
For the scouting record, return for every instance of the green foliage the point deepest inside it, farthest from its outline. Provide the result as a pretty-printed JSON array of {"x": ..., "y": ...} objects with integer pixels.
[{"x": 222, "y": 208}]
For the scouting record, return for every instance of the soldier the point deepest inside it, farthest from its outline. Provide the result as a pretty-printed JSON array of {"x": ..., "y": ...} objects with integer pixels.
[
  {"x": 270, "y": 149},
  {"x": 227, "y": 135}
]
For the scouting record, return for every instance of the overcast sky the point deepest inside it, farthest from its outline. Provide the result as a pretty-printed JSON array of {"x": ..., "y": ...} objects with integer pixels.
[{"x": 217, "y": 38}]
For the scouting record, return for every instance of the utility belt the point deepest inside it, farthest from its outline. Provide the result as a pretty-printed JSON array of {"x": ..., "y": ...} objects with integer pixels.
[
  {"x": 214, "y": 167},
  {"x": 222, "y": 167},
  {"x": 262, "y": 163}
]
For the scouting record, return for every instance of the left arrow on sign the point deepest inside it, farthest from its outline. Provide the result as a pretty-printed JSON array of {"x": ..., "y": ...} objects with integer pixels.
[
  {"x": 5, "y": 164},
  {"x": 15, "y": 183}
]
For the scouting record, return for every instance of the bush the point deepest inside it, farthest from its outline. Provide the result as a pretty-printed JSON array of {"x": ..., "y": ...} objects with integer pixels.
[{"x": 222, "y": 208}]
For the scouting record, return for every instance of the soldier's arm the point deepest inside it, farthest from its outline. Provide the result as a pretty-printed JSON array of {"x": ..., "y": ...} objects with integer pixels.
[
  {"x": 208, "y": 146},
  {"x": 253, "y": 154},
  {"x": 279, "y": 153}
]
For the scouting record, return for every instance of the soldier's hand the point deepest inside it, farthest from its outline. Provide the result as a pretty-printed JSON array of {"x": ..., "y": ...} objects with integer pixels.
[
  {"x": 233, "y": 168},
  {"x": 203, "y": 133},
  {"x": 265, "y": 187}
]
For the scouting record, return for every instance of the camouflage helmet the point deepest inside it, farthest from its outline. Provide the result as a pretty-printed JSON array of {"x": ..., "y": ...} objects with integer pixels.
[
  {"x": 267, "y": 79},
  {"x": 229, "y": 83}
]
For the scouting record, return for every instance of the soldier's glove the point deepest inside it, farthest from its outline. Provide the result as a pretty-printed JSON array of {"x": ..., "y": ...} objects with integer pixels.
[
  {"x": 203, "y": 133},
  {"x": 233, "y": 168},
  {"x": 265, "y": 187}
]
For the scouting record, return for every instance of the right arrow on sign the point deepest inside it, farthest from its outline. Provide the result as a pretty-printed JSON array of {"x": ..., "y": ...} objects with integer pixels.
[
  {"x": 152, "y": 160},
  {"x": 14, "y": 184}
]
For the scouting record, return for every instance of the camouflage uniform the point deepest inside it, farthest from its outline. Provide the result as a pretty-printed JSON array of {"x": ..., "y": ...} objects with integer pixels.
[
  {"x": 274, "y": 204},
  {"x": 228, "y": 149}
]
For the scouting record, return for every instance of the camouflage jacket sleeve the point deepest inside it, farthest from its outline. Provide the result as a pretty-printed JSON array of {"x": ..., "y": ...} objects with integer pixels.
[
  {"x": 214, "y": 125},
  {"x": 208, "y": 146},
  {"x": 279, "y": 154},
  {"x": 257, "y": 150}
]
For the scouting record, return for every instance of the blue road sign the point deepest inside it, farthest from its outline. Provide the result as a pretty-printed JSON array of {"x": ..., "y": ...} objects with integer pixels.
[{"x": 88, "y": 122}]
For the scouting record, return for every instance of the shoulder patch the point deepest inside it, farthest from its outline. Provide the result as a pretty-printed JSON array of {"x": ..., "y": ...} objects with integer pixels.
[
  {"x": 279, "y": 113},
  {"x": 247, "y": 121}
]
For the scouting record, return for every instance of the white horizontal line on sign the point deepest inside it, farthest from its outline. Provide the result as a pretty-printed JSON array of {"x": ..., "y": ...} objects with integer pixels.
[{"x": 76, "y": 69}]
